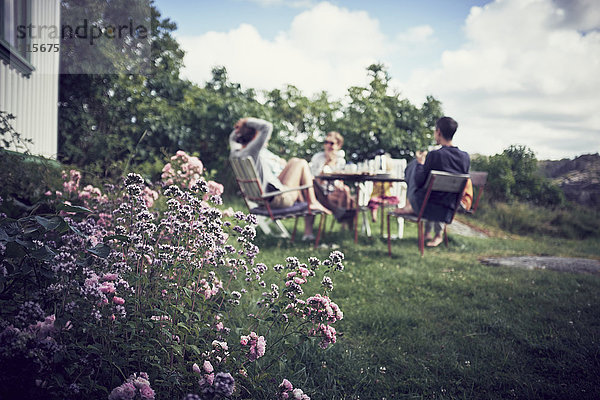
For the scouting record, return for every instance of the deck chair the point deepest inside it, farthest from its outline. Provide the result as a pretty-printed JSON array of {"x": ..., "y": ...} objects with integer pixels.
[
  {"x": 438, "y": 181},
  {"x": 258, "y": 201}
]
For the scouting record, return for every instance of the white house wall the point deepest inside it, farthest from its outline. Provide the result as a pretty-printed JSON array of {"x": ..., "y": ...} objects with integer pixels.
[{"x": 33, "y": 100}]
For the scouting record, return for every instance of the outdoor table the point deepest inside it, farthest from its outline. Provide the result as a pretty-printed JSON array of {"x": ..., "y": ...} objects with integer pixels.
[{"x": 356, "y": 178}]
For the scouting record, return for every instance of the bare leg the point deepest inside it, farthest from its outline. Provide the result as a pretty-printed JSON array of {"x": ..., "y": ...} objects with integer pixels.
[{"x": 297, "y": 173}]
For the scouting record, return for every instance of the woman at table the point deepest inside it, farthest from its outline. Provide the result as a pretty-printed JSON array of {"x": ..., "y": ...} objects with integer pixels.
[
  {"x": 250, "y": 137},
  {"x": 329, "y": 160}
]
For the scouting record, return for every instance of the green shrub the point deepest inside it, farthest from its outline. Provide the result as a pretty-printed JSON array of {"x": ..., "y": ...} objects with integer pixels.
[
  {"x": 513, "y": 177},
  {"x": 571, "y": 222},
  {"x": 25, "y": 179}
]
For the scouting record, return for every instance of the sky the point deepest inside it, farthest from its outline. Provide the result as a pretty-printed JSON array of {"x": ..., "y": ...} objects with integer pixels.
[{"x": 511, "y": 72}]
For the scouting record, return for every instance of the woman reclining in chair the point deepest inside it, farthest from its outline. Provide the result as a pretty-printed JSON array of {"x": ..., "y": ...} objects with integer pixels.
[{"x": 249, "y": 138}]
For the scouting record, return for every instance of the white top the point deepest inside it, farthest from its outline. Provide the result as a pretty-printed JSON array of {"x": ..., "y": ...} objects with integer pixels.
[{"x": 317, "y": 162}]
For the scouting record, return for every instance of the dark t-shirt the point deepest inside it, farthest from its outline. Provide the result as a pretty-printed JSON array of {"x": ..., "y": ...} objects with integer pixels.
[{"x": 448, "y": 159}]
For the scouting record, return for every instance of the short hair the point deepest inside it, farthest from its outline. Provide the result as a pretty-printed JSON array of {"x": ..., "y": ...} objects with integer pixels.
[
  {"x": 245, "y": 134},
  {"x": 447, "y": 127},
  {"x": 338, "y": 137}
]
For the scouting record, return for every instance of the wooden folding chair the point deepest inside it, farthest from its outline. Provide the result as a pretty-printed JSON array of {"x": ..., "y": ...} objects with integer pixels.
[
  {"x": 438, "y": 181},
  {"x": 258, "y": 202}
]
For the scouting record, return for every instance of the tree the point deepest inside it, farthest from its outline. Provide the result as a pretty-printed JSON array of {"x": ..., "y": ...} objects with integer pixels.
[
  {"x": 513, "y": 176},
  {"x": 375, "y": 119},
  {"x": 104, "y": 116}
]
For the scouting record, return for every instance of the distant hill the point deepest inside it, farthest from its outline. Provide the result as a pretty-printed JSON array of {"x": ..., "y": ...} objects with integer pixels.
[{"x": 578, "y": 178}]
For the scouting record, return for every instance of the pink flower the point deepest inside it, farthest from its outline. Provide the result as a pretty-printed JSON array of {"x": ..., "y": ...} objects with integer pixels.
[
  {"x": 261, "y": 345},
  {"x": 286, "y": 385},
  {"x": 208, "y": 367},
  {"x": 107, "y": 287},
  {"x": 109, "y": 277},
  {"x": 215, "y": 188},
  {"x": 195, "y": 163},
  {"x": 147, "y": 393},
  {"x": 219, "y": 326},
  {"x": 196, "y": 369},
  {"x": 118, "y": 300}
]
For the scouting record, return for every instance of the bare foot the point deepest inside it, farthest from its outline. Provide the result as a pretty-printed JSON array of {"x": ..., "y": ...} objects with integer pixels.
[
  {"x": 319, "y": 207},
  {"x": 435, "y": 241}
]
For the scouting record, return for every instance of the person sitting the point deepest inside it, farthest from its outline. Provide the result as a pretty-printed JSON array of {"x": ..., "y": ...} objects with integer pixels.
[
  {"x": 329, "y": 160},
  {"x": 249, "y": 138},
  {"x": 448, "y": 158}
]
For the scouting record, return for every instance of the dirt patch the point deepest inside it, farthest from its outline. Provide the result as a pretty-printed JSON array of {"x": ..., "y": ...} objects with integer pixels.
[{"x": 563, "y": 264}]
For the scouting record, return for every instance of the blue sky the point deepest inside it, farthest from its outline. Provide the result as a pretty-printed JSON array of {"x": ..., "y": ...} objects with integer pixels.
[{"x": 510, "y": 71}]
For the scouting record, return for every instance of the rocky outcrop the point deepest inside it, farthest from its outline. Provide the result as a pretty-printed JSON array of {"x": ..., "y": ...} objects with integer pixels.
[{"x": 578, "y": 178}]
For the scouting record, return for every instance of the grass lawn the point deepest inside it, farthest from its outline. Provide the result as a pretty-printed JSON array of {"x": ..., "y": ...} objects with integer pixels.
[{"x": 447, "y": 327}]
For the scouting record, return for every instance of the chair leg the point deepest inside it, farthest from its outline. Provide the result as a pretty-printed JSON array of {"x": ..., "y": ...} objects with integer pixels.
[
  {"x": 321, "y": 226},
  {"x": 294, "y": 231},
  {"x": 389, "y": 236},
  {"x": 332, "y": 224},
  {"x": 284, "y": 233},
  {"x": 421, "y": 230},
  {"x": 366, "y": 225}
]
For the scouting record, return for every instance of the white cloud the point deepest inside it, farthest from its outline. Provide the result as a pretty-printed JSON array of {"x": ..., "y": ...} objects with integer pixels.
[
  {"x": 416, "y": 34},
  {"x": 325, "y": 48},
  {"x": 526, "y": 75}
]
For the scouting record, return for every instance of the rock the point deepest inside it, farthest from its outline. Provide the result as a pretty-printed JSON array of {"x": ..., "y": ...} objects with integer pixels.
[
  {"x": 578, "y": 178},
  {"x": 564, "y": 264}
]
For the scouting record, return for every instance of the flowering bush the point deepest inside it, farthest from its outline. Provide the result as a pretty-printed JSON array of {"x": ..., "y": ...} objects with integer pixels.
[
  {"x": 158, "y": 291},
  {"x": 183, "y": 170}
]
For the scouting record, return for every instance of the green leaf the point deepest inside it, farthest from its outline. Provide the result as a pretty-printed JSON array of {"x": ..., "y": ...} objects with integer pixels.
[
  {"x": 101, "y": 250},
  {"x": 74, "y": 209},
  {"x": 49, "y": 224},
  {"x": 184, "y": 327},
  {"x": 195, "y": 349},
  {"x": 43, "y": 253}
]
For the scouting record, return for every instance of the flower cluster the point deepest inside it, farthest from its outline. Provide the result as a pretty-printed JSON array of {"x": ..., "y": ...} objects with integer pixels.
[
  {"x": 142, "y": 276},
  {"x": 257, "y": 345},
  {"x": 134, "y": 385},
  {"x": 212, "y": 386},
  {"x": 183, "y": 170},
  {"x": 31, "y": 355},
  {"x": 287, "y": 391}
]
